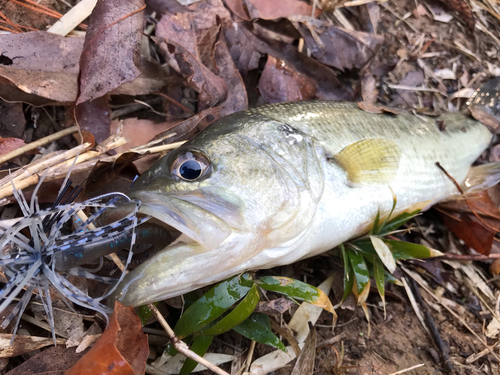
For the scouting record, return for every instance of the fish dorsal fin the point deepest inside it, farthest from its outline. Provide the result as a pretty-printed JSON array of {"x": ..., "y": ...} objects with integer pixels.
[{"x": 370, "y": 161}]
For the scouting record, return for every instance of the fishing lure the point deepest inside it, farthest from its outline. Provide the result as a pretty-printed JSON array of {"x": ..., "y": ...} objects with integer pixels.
[{"x": 43, "y": 259}]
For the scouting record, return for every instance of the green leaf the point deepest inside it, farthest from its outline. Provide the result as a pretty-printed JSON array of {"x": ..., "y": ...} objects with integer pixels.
[
  {"x": 296, "y": 289},
  {"x": 360, "y": 269},
  {"x": 375, "y": 229},
  {"x": 394, "y": 203},
  {"x": 212, "y": 305},
  {"x": 378, "y": 271},
  {"x": 145, "y": 313},
  {"x": 408, "y": 250},
  {"x": 258, "y": 328},
  {"x": 399, "y": 220},
  {"x": 200, "y": 346},
  {"x": 238, "y": 315},
  {"x": 348, "y": 273}
]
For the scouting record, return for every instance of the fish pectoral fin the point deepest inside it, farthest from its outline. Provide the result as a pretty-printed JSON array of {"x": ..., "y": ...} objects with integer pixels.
[{"x": 370, "y": 161}]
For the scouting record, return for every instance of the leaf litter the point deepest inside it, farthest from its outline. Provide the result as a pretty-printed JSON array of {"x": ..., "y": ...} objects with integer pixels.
[{"x": 212, "y": 59}]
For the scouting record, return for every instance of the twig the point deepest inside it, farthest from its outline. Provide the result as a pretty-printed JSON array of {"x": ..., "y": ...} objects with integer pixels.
[
  {"x": 73, "y": 18},
  {"x": 412, "y": 88},
  {"x": 181, "y": 346},
  {"x": 407, "y": 369},
  {"x": 248, "y": 360},
  {"x": 465, "y": 257},
  {"x": 409, "y": 273},
  {"x": 174, "y": 102},
  {"x": 436, "y": 337},
  {"x": 38, "y": 143}
]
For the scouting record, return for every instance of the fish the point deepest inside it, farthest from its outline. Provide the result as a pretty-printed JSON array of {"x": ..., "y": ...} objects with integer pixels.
[{"x": 279, "y": 183}]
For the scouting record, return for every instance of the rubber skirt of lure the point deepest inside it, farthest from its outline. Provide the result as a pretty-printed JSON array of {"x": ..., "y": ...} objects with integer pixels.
[{"x": 30, "y": 262}]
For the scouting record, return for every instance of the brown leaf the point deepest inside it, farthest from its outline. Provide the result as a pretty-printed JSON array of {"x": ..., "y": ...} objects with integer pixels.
[
  {"x": 328, "y": 86},
  {"x": 46, "y": 65},
  {"x": 54, "y": 361},
  {"x": 272, "y": 10},
  {"x": 138, "y": 132},
  {"x": 199, "y": 34},
  {"x": 23, "y": 344},
  {"x": 43, "y": 64},
  {"x": 94, "y": 117},
  {"x": 463, "y": 8},
  {"x": 212, "y": 89},
  {"x": 475, "y": 235},
  {"x": 237, "y": 99},
  {"x": 243, "y": 53},
  {"x": 237, "y": 7},
  {"x": 111, "y": 53},
  {"x": 276, "y": 306},
  {"x": 335, "y": 46},
  {"x": 495, "y": 267},
  {"x": 12, "y": 120},
  {"x": 122, "y": 348},
  {"x": 305, "y": 361},
  {"x": 9, "y": 144},
  {"x": 281, "y": 83},
  {"x": 288, "y": 335}
]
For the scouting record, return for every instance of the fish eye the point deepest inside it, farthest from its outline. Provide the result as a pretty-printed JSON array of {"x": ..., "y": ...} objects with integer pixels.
[{"x": 190, "y": 165}]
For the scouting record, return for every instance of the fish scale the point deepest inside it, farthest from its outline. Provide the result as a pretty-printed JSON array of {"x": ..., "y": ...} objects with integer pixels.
[{"x": 294, "y": 172}]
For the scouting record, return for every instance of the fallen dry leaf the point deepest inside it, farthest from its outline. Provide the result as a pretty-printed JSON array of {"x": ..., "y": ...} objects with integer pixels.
[
  {"x": 243, "y": 53},
  {"x": 276, "y": 306},
  {"x": 206, "y": 62},
  {"x": 475, "y": 235},
  {"x": 305, "y": 361},
  {"x": 281, "y": 83},
  {"x": 122, "y": 348},
  {"x": 12, "y": 120},
  {"x": 54, "y": 361},
  {"x": 111, "y": 53},
  {"x": 94, "y": 117},
  {"x": 463, "y": 8},
  {"x": 23, "y": 344},
  {"x": 495, "y": 268},
  {"x": 43, "y": 64},
  {"x": 336, "y": 46},
  {"x": 328, "y": 86},
  {"x": 237, "y": 99},
  {"x": 212, "y": 89},
  {"x": 9, "y": 144},
  {"x": 272, "y": 10}
]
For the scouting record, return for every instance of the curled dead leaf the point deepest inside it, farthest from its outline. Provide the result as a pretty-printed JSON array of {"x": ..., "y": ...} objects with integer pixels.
[
  {"x": 281, "y": 83},
  {"x": 122, "y": 348},
  {"x": 111, "y": 53}
]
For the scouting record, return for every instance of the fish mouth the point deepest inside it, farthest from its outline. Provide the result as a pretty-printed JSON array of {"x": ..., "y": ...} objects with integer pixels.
[{"x": 195, "y": 222}]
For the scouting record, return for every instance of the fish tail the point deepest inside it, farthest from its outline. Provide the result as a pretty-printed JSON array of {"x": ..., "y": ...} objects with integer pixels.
[
  {"x": 484, "y": 104},
  {"x": 481, "y": 177}
]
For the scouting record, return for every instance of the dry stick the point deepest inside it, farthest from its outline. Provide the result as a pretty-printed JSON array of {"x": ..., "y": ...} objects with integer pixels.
[
  {"x": 436, "y": 337},
  {"x": 38, "y": 143},
  {"x": 174, "y": 102},
  {"x": 180, "y": 345},
  {"x": 407, "y": 369},
  {"x": 73, "y": 18},
  {"x": 454, "y": 315}
]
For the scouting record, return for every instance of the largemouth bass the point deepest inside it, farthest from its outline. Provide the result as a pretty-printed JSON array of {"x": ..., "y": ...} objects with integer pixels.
[{"x": 275, "y": 184}]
